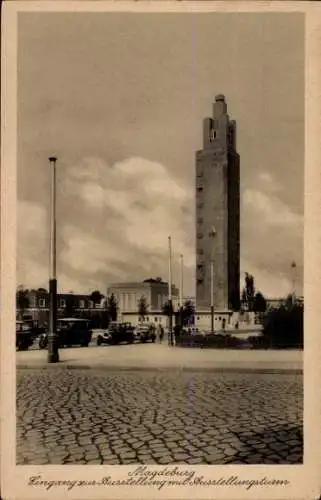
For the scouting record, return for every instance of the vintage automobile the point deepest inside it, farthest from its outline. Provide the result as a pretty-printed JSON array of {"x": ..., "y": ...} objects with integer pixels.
[
  {"x": 26, "y": 332},
  {"x": 116, "y": 334},
  {"x": 71, "y": 331},
  {"x": 146, "y": 332},
  {"x": 104, "y": 337}
]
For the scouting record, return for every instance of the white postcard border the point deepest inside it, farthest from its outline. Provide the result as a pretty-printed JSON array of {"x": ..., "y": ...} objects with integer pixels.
[{"x": 303, "y": 479}]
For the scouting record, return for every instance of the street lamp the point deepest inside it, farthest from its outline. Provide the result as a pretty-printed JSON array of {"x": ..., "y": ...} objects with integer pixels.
[
  {"x": 293, "y": 267},
  {"x": 170, "y": 302},
  {"x": 212, "y": 235},
  {"x": 53, "y": 354}
]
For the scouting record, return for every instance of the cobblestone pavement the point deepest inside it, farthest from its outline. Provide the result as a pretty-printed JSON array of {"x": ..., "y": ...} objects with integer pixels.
[{"x": 91, "y": 417}]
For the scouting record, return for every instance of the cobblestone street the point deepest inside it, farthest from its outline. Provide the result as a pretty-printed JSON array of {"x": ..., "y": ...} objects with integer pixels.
[{"x": 96, "y": 417}]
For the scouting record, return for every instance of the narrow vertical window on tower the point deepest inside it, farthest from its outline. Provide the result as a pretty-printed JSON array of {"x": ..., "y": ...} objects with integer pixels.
[{"x": 199, "y": 171}]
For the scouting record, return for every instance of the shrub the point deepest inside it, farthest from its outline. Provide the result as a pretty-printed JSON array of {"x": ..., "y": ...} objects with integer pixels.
[
  {"x": 209, "y": 341},
  {"x": 283, "y": 327}
]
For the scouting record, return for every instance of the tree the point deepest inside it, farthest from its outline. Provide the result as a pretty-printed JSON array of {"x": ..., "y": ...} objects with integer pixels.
[
  {"x": 249, "y": 291},
  {"x": 142, "y": 307},
  {"x": 259, "y": 307},
  {"x": 283, "y": 328},
  {"x": 70, "y": 305},
  {"x": 42, "y": 290},
  {"x": 154, "y": 280},
  {"x": 95, "y": 320},
  {"x": 289, "y": 302},
  {"x": 22, "y": 299},
  {"x": 243, "y": 300},
  {"x": 96, "y": 297},
  {"x": 112, "y": 307},
  {"x": 249, "y": 285},
  {"x": 104, "y": 318},
  {"x": 166, "y": 309},
  {"x": 259, "y": 304},
  {"x": 188, "y": 312}
]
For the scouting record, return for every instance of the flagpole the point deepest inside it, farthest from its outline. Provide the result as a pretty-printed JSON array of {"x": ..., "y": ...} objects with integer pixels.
[
  {"x": 181, "y": 288},
  {"x": 170, "y": 301},
  {"x": 293, "y": 266},
  {"x": 53, "y": 353}
]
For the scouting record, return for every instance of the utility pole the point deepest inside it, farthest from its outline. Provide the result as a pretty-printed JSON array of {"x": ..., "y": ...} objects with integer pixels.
[
  {"x": 53, "y": 353},
  {"x": 170, "y": 302}
]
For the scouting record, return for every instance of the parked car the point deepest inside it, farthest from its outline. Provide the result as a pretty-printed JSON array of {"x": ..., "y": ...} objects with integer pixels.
[
  {"x": 104, "y": 337},
  {"x": 117, "y": 333},
  {"x": 122, "y": 332},
  {"x": 70, "y": 331},
  {"x": 146, "y": 332},
  {"x": 25, "y": 334}
]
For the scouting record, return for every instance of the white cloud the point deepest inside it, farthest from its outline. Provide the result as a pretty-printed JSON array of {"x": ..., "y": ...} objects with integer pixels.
[
  {"x": 266, "y": 182},
  {"x": 271, "y": 238},
  {"x": 32, "y": 245},
  {"x": 272, "y": 209},
  {"x": 114, "y": 223}
]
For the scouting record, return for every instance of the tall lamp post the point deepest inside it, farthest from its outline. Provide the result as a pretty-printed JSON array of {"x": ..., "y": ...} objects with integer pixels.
[
  {"x": 181, "y": 292},
  {"x": 53, "y": 353},
  {"x": 170, "y": 302},
  {"x": 293, "y": 267},
  {"x": 212, "y": 235}
]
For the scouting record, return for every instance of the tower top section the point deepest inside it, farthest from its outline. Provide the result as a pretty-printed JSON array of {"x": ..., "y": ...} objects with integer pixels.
[
  {"x": 219, "y": 132},
  {"x": 219, "y": 106}
]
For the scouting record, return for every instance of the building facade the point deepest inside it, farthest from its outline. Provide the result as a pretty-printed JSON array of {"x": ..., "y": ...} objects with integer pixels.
[
  {"x": 218, "y": 212},
  {"x": 37, "y": 305},
  {"x": 129, "y": 294}
]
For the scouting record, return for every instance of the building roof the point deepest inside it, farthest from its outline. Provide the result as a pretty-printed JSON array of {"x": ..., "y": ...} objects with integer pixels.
[
  {"x": 138, "y": 285},
  {"x": 129, "y": 285}
]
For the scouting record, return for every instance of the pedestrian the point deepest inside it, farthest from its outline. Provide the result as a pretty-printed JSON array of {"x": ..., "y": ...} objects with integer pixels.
[{"x": 161, "y": 334}]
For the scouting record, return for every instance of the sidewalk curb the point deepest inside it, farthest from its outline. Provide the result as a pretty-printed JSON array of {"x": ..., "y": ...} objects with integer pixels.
[{"x": 184, "y": 369}]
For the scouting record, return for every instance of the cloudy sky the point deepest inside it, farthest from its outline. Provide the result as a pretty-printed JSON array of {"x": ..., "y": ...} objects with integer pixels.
[{"x": 120, "y": 99}]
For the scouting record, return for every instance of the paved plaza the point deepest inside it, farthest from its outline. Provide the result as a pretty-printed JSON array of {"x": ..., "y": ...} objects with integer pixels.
[
  {"x": 78, "y": 416},
  {"x": 162, "y": 357}
]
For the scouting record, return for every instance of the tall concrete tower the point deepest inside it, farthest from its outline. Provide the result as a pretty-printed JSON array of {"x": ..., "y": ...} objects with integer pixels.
[{"x": 218, "y": 208}]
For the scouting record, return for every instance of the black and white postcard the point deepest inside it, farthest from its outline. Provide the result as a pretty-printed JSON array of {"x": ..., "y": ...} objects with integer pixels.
[{"x": 160, "y": 272}]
